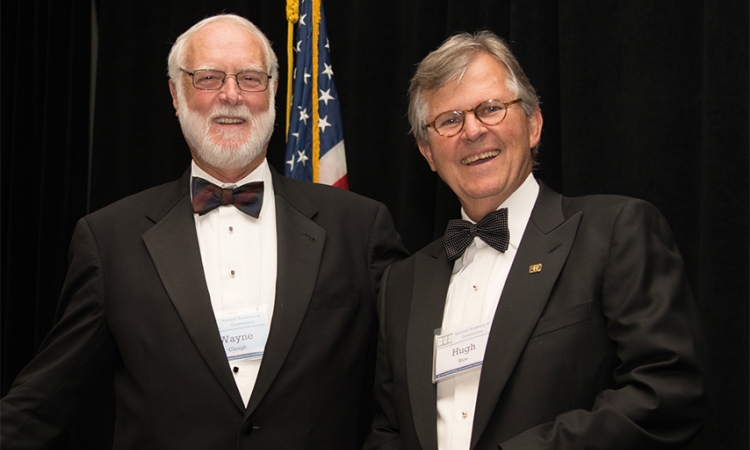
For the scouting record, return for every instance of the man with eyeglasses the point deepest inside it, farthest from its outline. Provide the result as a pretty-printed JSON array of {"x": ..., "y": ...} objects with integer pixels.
[
  {"x": 233, "y": 308},
  {"x": 538, "y": 321}
]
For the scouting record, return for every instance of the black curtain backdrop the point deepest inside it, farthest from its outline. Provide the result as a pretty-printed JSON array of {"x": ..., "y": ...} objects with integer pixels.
[{"x": 641, "y": 98}]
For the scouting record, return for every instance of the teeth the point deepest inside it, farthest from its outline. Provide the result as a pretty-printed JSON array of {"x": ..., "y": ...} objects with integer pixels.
[
  {"x": 228, "y": 120},
  {"x": 475, "y": 158}
]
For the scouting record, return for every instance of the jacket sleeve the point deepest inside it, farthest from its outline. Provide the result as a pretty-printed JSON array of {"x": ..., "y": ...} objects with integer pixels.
[
  {"x": 385, "y": 433},
  {"x": 78, "y": 354}
]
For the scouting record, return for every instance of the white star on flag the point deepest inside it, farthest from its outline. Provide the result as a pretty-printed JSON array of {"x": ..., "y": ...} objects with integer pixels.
[
  {"x": 325, "y": 96},
  {"x": 303, "y": 116},
  {"x": 323, "y": 123},
  {"x": 302, "y": 157}
]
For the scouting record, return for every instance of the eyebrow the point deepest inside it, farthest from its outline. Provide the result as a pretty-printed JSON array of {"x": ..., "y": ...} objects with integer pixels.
[
  {"x": 245, "y": 69},
  {"x": 254, "y": 69}
]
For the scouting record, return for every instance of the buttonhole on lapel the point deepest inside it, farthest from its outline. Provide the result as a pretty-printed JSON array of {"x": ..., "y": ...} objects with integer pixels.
[
  {"x": 555, "y": 248},
  {"x": 311, "y": 238}
]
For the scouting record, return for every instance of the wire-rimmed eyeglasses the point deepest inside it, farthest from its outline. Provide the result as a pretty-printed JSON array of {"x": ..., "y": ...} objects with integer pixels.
[{"x": 211, "y": 80}]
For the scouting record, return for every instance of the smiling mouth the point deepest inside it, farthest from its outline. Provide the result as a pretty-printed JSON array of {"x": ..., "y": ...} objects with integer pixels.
[
  {"x": 228, "y": 120},
  {"x": 480, "y": 157}
]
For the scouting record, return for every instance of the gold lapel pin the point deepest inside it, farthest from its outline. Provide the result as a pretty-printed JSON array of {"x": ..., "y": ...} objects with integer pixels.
[{"x": 535, "y": 268}]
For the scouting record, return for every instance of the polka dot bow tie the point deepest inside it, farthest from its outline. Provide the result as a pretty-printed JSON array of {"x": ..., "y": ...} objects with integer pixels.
[
  {"x": 492, "y": 229},
  {"x": 207, "y": 196}
]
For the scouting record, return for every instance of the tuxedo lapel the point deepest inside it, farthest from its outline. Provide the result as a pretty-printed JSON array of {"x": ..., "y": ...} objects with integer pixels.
[
  {"x": 431, "y": 278},
  {"x": 299, "y": 249},
  {"x": 546, "y": 244},
  {"x": 173, "y": 245}
]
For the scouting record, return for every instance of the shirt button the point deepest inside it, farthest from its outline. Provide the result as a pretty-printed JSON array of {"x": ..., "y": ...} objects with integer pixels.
[
  {"x": 464, "y": 414},
  {"x": 476, "y": 288},
  {"x": 231, "y": 230},
  {"x": 231, "y": 273}
]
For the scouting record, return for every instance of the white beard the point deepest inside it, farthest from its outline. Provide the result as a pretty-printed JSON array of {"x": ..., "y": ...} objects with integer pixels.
[{"x": 235, "y": 153}]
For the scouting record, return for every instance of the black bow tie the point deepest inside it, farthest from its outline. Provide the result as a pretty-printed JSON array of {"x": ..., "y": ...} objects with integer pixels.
[
  {"x": 248, "y": 198},
  {"x": 492, "y": 229}
]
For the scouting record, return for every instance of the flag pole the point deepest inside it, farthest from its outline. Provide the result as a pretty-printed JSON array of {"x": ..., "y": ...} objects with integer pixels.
[
  {"x": 315, "y": 106},
  {"x": 292, "y": 16}
]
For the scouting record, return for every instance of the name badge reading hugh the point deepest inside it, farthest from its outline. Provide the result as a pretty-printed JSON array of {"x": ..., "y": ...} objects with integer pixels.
[
  {"x": 244, "y": 335},
  {"x": 460, "y": 351}
]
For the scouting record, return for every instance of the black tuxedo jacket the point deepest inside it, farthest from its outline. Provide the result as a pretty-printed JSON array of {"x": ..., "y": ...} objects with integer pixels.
[
  {"x": 137, "y": 301},
  {"x": 601, "y": 349}
]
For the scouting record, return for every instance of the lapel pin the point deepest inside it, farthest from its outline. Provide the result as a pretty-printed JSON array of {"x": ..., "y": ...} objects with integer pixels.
[{"x": 535, "y": 268}]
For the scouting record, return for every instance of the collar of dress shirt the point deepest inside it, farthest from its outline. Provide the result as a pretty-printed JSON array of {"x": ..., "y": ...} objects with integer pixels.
[{"x": 259, "y": 174}]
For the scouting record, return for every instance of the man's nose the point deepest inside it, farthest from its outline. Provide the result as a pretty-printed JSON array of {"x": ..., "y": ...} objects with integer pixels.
[
  {"x": 473, "y": 127},
  {"x": 231, "y": 90}
]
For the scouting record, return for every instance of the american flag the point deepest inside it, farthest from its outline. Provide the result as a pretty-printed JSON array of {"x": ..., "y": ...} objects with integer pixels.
[{"x": 314, "y": 106}]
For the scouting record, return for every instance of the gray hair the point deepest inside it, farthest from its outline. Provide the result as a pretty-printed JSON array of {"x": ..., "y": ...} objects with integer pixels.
[
  {"x": 450, "y": 61},
  {"x": 177, "y": 54}
]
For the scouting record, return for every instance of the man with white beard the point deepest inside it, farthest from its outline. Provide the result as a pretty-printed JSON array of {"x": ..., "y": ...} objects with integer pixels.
[{"x": 232, "y": 308}]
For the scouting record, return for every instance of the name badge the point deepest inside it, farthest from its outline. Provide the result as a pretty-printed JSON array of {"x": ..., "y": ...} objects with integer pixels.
[
  {"x": 244, "y": 334},
  {"x": 458, "y": 352}
]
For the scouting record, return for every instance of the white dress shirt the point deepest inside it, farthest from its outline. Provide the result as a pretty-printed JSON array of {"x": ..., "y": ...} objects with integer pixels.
[
  {"x": 473, "y": 294},
  {"x": 239, "y": 262}
]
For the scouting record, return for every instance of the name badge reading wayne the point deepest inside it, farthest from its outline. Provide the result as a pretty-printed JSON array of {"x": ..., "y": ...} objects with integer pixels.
[
  {"x": 458, "y": 352},
  {"x": 244, "y": 335}
]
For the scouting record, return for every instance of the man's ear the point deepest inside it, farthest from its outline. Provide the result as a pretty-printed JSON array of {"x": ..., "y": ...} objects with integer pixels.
[
  {"x": 424, "y": 149},
  {"x": 535, "y": 127},
  {"x": 173, "y": 92}
]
